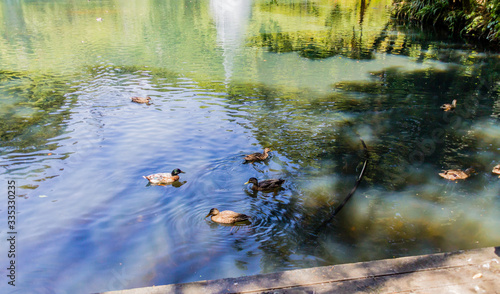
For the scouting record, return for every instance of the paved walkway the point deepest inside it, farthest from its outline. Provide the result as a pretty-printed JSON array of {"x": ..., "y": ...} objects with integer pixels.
[{"x": 472, "y": 271}]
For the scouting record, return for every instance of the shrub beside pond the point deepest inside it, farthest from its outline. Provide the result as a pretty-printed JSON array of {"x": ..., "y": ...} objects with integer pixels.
[{"x": 472, "y": 18}]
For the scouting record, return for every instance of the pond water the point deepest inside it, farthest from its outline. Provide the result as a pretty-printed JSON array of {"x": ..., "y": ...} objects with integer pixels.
[{"x": 306, "y": 78}]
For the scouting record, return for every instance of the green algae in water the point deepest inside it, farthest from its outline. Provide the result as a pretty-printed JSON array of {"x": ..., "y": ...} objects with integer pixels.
[
  {"x": 29, "y": 187},
  {"x": 362, "y": 87},
  {"x": 28, "y": 99}
]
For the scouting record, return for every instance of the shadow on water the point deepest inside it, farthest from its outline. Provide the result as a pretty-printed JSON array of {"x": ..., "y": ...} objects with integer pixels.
[
  {"x": 410, "y": 140},
  {"x": 399, "y": 111}
]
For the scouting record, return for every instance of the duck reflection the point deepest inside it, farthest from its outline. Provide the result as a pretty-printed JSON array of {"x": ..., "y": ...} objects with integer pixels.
[{"x": 175, "y": 184}]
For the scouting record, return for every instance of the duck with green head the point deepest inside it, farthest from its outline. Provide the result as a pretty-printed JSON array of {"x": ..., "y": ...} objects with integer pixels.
[
  {"x": 227, "y": 216},
  {"x": 265, "y": 185},
  {"x": 164, "y": 178}
]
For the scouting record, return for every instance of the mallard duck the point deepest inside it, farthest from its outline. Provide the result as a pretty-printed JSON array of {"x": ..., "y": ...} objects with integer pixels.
[
  {"x": 496, "y": 170},
  {"x": 457, "y": 174},
  {"x": 448, "y": 107},
  {"x": 164, "y": 178},
  {"x": 146, "y": 100},
  {"x": 257, "y": 155},
  {"x": 265, "y": 185},
  {"x": 227, "y": 216}
]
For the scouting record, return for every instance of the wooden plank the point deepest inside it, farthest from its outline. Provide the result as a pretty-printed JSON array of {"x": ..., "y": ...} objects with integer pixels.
[{"x": 473, "y": 271}]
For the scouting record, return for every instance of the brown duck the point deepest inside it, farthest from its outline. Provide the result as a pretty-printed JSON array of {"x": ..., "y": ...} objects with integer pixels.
[
  {"x": 142, "y": 100},
  {"x": 496, "y": 170},
  {"x": 258, "y": 156},
  {"x": 448, "y": 107},
  {"x": 227, "y": 216},
  {"x": 457, "y": 174},
  {"x": 266, "y": 184}
]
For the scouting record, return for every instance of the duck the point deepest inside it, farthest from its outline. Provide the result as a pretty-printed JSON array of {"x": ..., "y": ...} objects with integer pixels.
[
  {"x": 457, "y": 174},
  {"x": 164, "y": 178},
  {"x": 227, "y": 216},
  {"x": 142, "y": 100},
  {"x": 258, "y": 156},
  {"x": 448, "y": 107},
  {"x": 496, "y": 170},
  {"x": 266, "y": 184}
]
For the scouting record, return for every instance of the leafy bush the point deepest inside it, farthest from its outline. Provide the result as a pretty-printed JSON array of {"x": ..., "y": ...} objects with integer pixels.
[{"x": 476, "y": 18}]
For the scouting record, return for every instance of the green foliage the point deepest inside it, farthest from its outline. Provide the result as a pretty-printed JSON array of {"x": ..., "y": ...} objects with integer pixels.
[
  {"x": 485, "y": 21},
  {"x": 440, "y": 12},
  {"x": 479, "y": 19}
]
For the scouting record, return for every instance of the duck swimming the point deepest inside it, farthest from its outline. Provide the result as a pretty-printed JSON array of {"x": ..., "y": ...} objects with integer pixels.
[
  {"x": 227, "y": 216},
  {"x": 258, "y": 156},
  {"x": 496, "y": 170},
  {"x": 448, "y": 107},
  {"x": 142, "y": 100},
  {"x": 164, "y": 178},
  {"x": 265, "y": 185},
  {"x": 457, "y": 174}
]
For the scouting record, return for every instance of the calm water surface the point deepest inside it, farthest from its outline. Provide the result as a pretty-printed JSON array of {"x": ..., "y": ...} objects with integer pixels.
[{"x": 227, "y": 78}]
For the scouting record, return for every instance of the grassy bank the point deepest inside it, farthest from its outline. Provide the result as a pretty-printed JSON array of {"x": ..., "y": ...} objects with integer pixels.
[{"x": 477, "y": 19}]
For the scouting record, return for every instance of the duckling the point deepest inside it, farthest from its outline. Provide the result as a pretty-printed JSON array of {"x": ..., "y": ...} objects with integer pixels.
[
  {"x": 227, "y": 216},
  {"x": 164, "y": 178},
  {"x": 265, "y": 185},
  {"x": 496, "y": 170},
  {"x": 142, "y": 100},
  {"x": 456, "y": 174},
  {"x": 258, "y": 156},
  {"x": 448, "y": 107}
]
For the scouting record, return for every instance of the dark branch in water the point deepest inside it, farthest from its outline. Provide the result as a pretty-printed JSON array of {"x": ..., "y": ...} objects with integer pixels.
[{"x": 346, "y": 199}]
